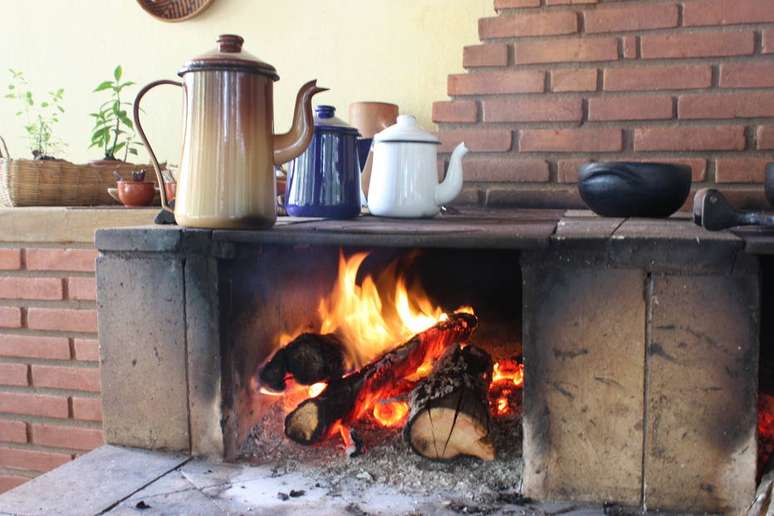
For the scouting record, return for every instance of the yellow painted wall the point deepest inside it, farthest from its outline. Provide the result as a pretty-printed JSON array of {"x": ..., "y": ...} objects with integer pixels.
[{"x": 389, "y": 50}]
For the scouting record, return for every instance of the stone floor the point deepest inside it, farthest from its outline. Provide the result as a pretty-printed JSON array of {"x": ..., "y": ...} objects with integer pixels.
[{"x": 123, "y": 481}]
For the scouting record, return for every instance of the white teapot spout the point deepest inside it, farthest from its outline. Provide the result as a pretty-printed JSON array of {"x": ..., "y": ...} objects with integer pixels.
[{"x": 451, "y": 186}]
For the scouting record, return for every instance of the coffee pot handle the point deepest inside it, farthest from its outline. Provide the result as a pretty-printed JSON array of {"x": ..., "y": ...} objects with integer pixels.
[{"x": 156, "y": 167}]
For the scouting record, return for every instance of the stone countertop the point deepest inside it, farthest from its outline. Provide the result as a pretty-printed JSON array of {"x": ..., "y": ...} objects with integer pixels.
[
  {"x": 65, "y": 225},
  {"x": 126, "y": 481}
]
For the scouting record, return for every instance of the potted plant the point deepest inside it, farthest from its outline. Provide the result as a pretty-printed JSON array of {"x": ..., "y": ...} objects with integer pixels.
[
  {"x": 40, "y": 117},
  {"x": 113, "y": 131},
  {"x": 135, "y": 191}
]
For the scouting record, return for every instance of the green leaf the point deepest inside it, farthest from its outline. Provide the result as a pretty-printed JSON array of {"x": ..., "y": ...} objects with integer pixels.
[
  {"x": 60, "y": 108},
  {"x": 60, "y": 92},
  {"x": 125, "y": 119},
  {"x": 44, "y": 104},
  {"x": 119, "y": 147},
  {"x": 103, "y": 86},
  {"x": 11, "y": 87},
  {"x": 133, "y": 152},
  {"x": 117, "y": 72}
]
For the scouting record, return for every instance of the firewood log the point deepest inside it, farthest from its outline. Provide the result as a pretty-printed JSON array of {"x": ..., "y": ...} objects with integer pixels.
[
  {"x": 395, "y": 373},
  {"x": 309, "y": 358},
  {"x": 449, "y": 412}
]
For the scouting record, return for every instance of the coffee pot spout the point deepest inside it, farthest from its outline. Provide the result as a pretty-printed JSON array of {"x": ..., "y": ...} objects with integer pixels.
[
  {"x": 293, "y": 143},
  {"x": 451, "y": 186}
]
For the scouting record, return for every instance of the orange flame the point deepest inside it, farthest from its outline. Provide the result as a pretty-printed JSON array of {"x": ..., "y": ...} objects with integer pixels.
[
  {"x": 391, "y": 413},
  {"x": 507, "y": 380},
  {"x": 370, "y": 322}
]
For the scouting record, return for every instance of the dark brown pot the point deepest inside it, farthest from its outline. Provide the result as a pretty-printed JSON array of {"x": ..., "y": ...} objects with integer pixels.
[{"x": 134, "y": 193}]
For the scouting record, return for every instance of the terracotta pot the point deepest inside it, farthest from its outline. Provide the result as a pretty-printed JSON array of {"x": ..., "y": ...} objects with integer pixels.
[
  {"x": 370, "y": 118},
  {"x": 133, "y": 193}
]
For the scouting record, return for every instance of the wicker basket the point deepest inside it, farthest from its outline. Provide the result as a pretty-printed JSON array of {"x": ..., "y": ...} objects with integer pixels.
[{"x": 26, "y": 182}]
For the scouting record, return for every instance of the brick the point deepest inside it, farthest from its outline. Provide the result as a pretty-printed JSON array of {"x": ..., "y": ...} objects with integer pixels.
[
  {"x": 699, "y": 44},
  {"x": 765, "y": 137},
  {"x": 13, "y": 374},
  {"x": 689, "y": 138},
  {"x": 567, "y": 169},
  {"x": 570, "y": 2},
  {"x": 75, "y": 438},
  {"x": 515, "y": 4},
  {"x": 76, "y": 260},
  {"x": 447, "y": 111},
  {"x": 64, "y": 377},
  {"x": 768, "y": 41},
  {"x": 82, "y": 288},
  {"x": 33, "y": 404},
  {"x": 10, "y": 317},
  {"x": 542, "y": 109},
  {"x": 10, "y": 259},
  {"x": 655, "y": 78},
  {"x": 622, "y": 18},
  {"x": 566, "y": 50},
  {"x": 570, "y": 140},
  {"x": 13, "y": 431},
  {"x": 741, "y": 170},
  {"x": 506, "y": 169},
  {"x": 62, "y": 319},
  {"x": 630, "y": 45},
  {"x": 747, "y": 75},
  {"x": 640, "y": 107},
  {"x": 29, "y": 346},
  {"x": 727, "y": 12},
  {"x": 582, "y": 79},
  {"x": 31, "y": 459},
  {"x": 86, "y": 350},
  {"x": 523, "y": 25},
  {"x": 735, "y": 105},
  {"x": 87, "y": 409},
  {"x": 495, "y": 54},
  {"x": 15, "y": 287},
  {"x": 477, "y": 140},
  {"x": 8, "y": 482},
  {"x": 484, "y": 83}
]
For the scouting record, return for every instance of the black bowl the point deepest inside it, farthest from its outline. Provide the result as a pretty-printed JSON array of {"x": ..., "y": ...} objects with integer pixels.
[
  {"x": 770, "y": 183},
  {"x": 624, "y": 189}
]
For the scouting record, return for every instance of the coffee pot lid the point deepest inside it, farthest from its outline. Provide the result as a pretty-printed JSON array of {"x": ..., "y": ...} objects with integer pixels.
[
  {"x": 229, "y": 56},
  {"x": 324, "y": 118},
  {"x": 405, "y": 130}
]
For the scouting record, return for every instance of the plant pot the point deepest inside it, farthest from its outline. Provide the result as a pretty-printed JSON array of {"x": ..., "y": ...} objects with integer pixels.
[{"x": 134, "y": 193}]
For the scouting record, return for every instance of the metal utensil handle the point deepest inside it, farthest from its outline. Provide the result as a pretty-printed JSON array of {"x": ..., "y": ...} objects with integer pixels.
[{"x": 156, "y": 167}]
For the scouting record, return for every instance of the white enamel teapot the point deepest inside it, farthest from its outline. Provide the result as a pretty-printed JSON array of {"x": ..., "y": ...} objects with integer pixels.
[{"x": 404, "y": 174}]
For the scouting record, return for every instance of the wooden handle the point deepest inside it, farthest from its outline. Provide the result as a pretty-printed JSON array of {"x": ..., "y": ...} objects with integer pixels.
[{"x": 156, "y": 167}]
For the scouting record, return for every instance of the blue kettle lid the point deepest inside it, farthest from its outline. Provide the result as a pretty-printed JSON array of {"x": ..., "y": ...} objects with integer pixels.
[{"x": 325, "y": 118}]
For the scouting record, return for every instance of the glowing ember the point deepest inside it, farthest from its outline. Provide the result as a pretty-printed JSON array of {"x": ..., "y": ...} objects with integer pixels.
[
  {"x": 391, "y": 413},
  {"x": 505, "y": 389},
  {"x": 508, "y": 371},
  {"x": 316, "y": 389}
]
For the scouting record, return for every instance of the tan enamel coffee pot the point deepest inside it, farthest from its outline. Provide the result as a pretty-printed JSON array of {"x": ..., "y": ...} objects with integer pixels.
[{"x": 226, "y": 175}]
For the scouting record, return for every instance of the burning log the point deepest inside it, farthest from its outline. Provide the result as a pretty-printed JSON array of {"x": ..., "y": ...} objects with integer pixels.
[
  {"x": 348, "y": 398},
  {"x": 309, "y": 358},
  {"x": 450, "y": 411}
]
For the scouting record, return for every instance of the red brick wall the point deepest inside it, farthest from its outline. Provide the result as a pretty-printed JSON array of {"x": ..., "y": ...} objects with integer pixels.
[
  {"x": 50, "y": 410},
  {"x": 556, "y": 83}
]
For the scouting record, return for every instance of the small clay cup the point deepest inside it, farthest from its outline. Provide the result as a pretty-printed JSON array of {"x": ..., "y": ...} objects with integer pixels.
[
  {"x": 769, "y": 183},
  {"x": 370, "y": 118},
  {"x": 135, "y": 193}
]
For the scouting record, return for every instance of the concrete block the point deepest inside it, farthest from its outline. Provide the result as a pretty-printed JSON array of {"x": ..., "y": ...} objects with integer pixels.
[
  {"x": 142, "y": 328},
  {"x": 584, "y": 347},
  {"x": 702, "y": 378}
]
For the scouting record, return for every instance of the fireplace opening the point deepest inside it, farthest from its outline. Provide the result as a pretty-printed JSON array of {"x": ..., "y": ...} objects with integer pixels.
[
  {"x": 305, "y": 324},
  {"x": 766, "y": 374}
]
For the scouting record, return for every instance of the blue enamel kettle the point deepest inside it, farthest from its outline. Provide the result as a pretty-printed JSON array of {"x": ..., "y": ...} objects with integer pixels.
[{"x": 325, "y": 180}]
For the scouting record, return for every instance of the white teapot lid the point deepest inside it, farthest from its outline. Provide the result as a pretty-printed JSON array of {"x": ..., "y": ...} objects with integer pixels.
[{"x": 406, "y": 130}]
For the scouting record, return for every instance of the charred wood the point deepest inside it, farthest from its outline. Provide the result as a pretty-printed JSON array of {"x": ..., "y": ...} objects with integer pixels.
[
  {"x": 348, "y": 398},
  {"x": 309, "y": 358},
  {"x": 449, "y": 413}
]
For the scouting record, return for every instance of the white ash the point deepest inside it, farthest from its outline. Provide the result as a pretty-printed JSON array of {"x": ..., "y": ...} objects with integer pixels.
[{"x": 388, "y": 460}]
